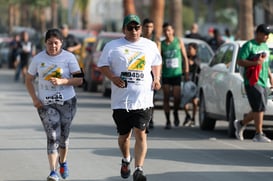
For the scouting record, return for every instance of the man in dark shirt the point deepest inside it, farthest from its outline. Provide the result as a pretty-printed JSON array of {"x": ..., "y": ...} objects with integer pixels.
[
  {"x": 70, "y": 42},
  {"x": 194, "y": 32}
]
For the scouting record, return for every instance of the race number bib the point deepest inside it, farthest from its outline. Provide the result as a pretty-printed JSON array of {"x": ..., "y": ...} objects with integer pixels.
[
  {"x": 133, "y": 77},
  {"x": 55, "y": 99},
  {"x": 172, "y": 63}
]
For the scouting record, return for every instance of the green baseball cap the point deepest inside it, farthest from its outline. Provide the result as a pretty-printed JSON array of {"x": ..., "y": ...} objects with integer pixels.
[{"x": 131, "y": 18}]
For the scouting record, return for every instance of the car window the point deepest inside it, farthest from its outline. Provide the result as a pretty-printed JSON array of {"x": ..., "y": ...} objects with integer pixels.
[
  {"x": 227, "y": 57},
  {"x": 219, "y": 55},
  {"x": 203, "y": 53},
  {"x": 237, "y": 67}
]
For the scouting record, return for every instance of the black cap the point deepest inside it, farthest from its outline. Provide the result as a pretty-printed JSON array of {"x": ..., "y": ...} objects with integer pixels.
[{"x": 264, "y": 28}]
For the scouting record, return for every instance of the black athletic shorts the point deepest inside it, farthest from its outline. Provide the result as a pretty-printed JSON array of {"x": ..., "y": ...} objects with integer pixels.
[
  {"x": 126, "y": 120},
  {"x": 172, "y": 80},
  {"x": 257, "y": 97}
]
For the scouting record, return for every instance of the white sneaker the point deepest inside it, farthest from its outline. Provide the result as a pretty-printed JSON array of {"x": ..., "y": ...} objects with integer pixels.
[
  {"x": 260, "y": 137},
  {"x": 239, "y": 130}
]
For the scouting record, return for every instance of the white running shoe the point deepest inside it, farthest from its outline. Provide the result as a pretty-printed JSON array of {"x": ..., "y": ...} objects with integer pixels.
[
  {"x": 260, "y": 137},
  {"x": 239, "y": 130}
]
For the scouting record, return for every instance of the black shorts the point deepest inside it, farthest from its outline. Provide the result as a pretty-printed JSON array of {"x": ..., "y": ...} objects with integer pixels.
[
  {"x": 257, "y": 97},
  {"x": 126, "y": 120},
  {"x": 172, "y": 80}
]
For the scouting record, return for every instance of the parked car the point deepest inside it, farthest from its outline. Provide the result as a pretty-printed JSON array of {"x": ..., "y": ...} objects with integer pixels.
[
  {"x": 205, "y": 53},
  {"x": 93, "y": 76},
  {"x": 87, "y": 45},
  {"x": 221, "y": 90}
]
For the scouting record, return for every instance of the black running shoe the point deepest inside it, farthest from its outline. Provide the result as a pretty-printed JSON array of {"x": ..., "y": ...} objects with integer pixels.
[
  {"x": 187, "y": 120},
  {"x": 125, "y": 170},
  {"x": 168, "y": 125},
  {"x": 139, "y": 175}
]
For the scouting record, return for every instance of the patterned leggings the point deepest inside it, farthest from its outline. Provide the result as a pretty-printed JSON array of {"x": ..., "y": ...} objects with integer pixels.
[{"x": 57, "y": 121}]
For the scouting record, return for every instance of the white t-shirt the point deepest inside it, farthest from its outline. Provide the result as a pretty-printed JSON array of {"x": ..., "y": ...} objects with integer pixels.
[
  {"x": 61, "y": 66},
  {"x": 136, "y": 60}
]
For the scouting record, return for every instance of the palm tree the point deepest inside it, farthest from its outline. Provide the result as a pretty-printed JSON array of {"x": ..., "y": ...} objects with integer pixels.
[
  {"x": 246, "y": 20},
  {"x": 82, "y": 6},
  {"x": 129, "y": 7},
  {"x": 54, "y": 13},
  {"x": 157, "y": 14},
  {"x": 176, "y": 14}
]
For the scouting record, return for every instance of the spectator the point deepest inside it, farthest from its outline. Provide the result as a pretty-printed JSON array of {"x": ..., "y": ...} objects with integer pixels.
[
  {"x": 228, "y": 36},
  {"x": 26, "y": 51},
  {"x": 194, "y": 67},
  {"x": 14, "y": 51},
  {"x": 194, "y": 32},
  {"x": 254, "y": 58},
  {"x": 70, "y": 42},
  {"x": 216, "y": 41}
]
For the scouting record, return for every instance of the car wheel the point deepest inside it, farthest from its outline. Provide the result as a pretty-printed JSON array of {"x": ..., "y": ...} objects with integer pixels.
[
  {"x": 231, "y": 117},
  {"x": 205, "y": 122}
]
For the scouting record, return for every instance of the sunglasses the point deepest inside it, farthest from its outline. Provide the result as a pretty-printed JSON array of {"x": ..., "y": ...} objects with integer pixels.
[{"x": 131, "y": 28}]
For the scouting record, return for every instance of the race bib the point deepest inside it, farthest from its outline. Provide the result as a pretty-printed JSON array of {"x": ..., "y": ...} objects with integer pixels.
[
  {"x": 133, "y": 77},
  {"x": 55, "y": 99},
  {"x": 172, "y": 63}
]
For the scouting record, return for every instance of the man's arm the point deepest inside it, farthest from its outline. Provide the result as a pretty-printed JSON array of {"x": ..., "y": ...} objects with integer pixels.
[
  {"x": 185, "y": 59},
  {"x": 247, "y": 63}
]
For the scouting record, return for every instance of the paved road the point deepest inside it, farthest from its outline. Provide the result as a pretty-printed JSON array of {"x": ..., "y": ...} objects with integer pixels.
[{"x": 177, "y": 154}]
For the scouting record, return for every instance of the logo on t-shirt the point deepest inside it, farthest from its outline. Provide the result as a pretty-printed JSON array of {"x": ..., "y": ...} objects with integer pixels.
[{"x": 137, "y": 62}]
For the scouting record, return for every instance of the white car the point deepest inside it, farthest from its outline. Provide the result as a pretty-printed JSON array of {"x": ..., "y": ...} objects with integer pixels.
[{"x": 221, "y": 90}]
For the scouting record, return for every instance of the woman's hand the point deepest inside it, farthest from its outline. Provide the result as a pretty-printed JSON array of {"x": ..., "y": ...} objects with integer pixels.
[{"x": 37, "y": 103}]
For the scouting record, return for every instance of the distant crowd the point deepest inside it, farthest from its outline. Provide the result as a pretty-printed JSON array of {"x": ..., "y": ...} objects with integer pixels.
[{"x": 213, "y": 38}]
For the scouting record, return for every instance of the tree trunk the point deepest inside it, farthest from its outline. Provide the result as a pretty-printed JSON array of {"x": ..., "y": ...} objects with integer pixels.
[
  {"x": 176, "y": 16},
  {"x": 25, "y": 15},
  {"x": 54, "y": 12},
  {"x": 11, "y": 17},
  {"x": 42, "y": 20},
  {"x": 129, "y": 7},
  {"x": 85, "y": 20},
  {"x": 246, "y": 20},
  {"x": 157, "y": 14}
]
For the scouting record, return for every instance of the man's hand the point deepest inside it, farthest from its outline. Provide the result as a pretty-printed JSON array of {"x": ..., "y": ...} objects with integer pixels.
[
  {"x": 156, "y": 84},
  {"x": 118, "y": 82}
]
